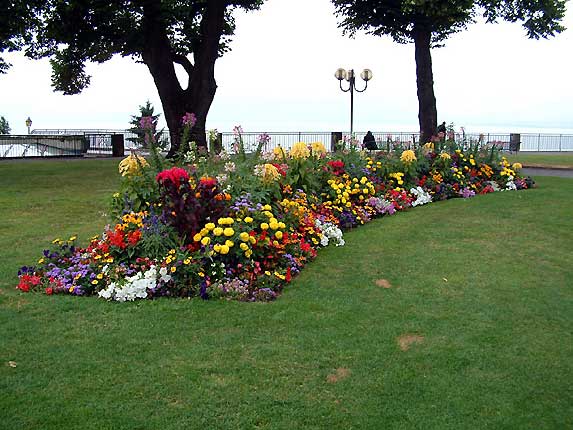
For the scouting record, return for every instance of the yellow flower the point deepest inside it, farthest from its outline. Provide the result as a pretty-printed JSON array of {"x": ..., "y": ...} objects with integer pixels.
[
  {"x": 131, "y": 165},
  {"x": 445, "y": 156},
  {"x": 299, "y": 150},
  {"x": 229, "y": 243},
  {"x": 217, "y": 248},
  {"x": 71, "y": 239},
  {"x": 429, "y": 146},
  {"x": 282, "y": 225},
  {"x": 99, "y": 276},
  {"x": 248, "y": 219},
  {"x": 40, "y": 261},
  {"x": 274, "y": 225},
  {"x": 94, "y": 282},
  {"x": 210, "y": 226},
  {"x": 264, "y": 226},
  {"x": 197, "y": 237},
  {"x": 278, "y": 152},
  {"x": 517, "y": 166},
  {"x": 318, "y": 148},
  {"x": 224, "y": 249},
  {"x": 279, "y": 234},
  {"x": 244, "y": 236},
  {"x": 228, "y": 232},
  {"x": 267, "y": 208},
  {"x": 252, "y": 240},
  {"x": 173, "y": 269},
  {"x": 186, "y": 261},
  {"x": 205, "y": 241},
  {"x": 408, "y": 156},
  {"x": 270, "y": 173},
  {"x": 244, "y": 246},
  {"x": 217, "y": 231}
]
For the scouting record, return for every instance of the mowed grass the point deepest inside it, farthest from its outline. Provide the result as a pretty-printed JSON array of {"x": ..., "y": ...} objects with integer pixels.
[
  {"x": 552, "y": 159},
  {"x": 454, "y": 315}
]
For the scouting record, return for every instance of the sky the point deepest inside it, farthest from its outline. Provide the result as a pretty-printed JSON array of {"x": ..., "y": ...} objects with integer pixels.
[{"x": 279, "y": 76}]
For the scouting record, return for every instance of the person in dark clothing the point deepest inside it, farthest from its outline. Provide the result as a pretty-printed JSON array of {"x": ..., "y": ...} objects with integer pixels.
[
  {"x": 442, "y": 128},
  {"x": 369, "y": 142}
]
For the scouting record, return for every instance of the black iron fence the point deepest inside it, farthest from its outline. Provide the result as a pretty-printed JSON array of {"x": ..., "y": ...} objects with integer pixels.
[{"x": 107, "y": 142}]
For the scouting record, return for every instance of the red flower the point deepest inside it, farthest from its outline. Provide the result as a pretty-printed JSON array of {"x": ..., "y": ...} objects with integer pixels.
[
  {"x": 23, "y": 286},
  {"x": 27, "y": 281},
  {"x": 337, "y": 166},
  {"x": 133, "y": 237},
  {"x": 116, "y": 239},
  {"x": 49, "y": 291},
  {"x": 174, "y": 175},
  {"x": 288, "y": 275}
]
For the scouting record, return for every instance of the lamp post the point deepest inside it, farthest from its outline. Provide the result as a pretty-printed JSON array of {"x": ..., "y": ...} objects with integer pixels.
[
  {"x": 28, "y": 124},
  {"x": 341, "y": 75}
]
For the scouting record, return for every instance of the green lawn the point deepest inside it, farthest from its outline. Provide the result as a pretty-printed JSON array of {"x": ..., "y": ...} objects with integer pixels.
[
  {"x": 474, "y": 332},
  {"x": 543, "y": 159}
]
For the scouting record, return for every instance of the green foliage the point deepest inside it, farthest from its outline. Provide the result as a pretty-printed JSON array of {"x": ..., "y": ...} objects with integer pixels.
[
  {"x": 401, "y": 20},
  {"x": 4, "y": 126},
  {"x": 158, "y": 238}
]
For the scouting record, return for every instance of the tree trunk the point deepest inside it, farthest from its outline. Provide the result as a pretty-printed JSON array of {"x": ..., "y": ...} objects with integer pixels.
[
  {"x": 201, "y": 87},
  {"x": 427, "y": 112}
]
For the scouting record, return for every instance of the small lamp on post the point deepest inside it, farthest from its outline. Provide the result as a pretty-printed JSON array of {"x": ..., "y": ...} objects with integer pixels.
[
  {"x": 341, "y": 75},
  {"x": 28, "y": 124}
]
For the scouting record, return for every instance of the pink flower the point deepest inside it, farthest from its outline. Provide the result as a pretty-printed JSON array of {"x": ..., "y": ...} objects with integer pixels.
[
  {"x": 146, "y": 122},
  {"x": 189, "y": 119}
]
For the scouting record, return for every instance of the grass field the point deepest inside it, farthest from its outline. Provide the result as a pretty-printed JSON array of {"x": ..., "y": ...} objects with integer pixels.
[
  {"x": 543, "y": 159},
  {"x": 454, "y": 315}
]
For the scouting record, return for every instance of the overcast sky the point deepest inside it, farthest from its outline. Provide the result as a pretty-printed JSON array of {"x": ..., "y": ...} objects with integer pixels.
[{"x": 279, "y": 76}]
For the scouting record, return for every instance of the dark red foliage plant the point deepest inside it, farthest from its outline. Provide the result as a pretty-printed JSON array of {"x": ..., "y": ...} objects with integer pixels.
[{"x": 187, "y": 207}]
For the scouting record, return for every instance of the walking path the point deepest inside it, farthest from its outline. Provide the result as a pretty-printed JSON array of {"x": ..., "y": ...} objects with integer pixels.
[{"x": 544, "y": 171}]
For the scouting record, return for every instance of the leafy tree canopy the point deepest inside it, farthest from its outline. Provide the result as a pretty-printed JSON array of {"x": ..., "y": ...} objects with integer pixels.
[
  {"x": 398, "y": 18},
  {"x": 72, "y": 32}
]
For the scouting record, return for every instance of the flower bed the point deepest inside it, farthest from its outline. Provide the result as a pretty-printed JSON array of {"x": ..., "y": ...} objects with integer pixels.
[{"x": 242, "y": 226}]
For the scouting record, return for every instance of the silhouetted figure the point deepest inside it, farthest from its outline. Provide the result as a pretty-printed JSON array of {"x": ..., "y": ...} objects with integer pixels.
[
  {"x": 442, "y": 128},
  {"x": 369, "y": 142}
]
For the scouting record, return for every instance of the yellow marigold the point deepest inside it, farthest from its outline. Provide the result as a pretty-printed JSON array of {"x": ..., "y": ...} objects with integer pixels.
[
  {"x": 517, "y": 166},
  {"x": 299, "y": 150},
  {"x": 408, "y": 156},
  {"x": 318, "y": 148},
  {"x": 270, "y": 173},
  {"x": 429, "y": 146},
  {"x": 130, "y": 165},
  {"x": 445, "y": 156}
]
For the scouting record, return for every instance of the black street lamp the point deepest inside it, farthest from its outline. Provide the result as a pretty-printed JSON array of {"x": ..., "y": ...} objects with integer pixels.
[
  {"x": 342, "y": 74},
  {"x": 28, "y": 124}
]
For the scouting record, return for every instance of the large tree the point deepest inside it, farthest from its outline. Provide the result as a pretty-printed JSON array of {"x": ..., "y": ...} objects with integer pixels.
[
  {"x": 159, "y": 33},
  {"x": 427, "y": 23}
]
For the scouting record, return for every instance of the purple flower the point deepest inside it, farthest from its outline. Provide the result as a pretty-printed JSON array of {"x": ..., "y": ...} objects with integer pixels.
[{"x": 189, "y": 119}]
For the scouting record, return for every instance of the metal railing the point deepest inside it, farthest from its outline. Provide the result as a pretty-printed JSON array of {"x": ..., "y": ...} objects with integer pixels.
[
  {"x": 14, "y": 146},
  {"x": 77, "y": 142}
]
